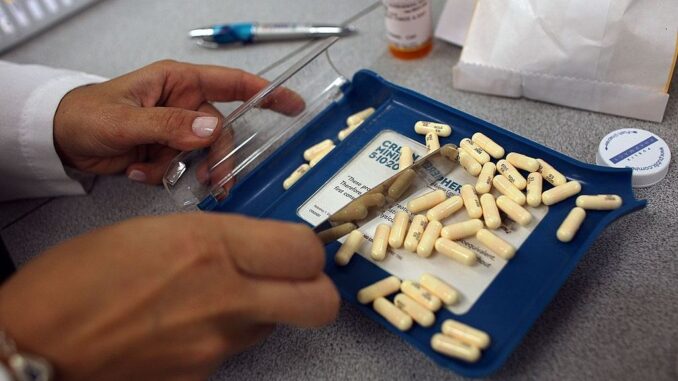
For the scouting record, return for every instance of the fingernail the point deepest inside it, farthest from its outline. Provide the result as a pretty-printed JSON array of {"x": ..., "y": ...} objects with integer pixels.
[
  {"x": 203, "y": 126},
  {"x": 136, "y": 175}
]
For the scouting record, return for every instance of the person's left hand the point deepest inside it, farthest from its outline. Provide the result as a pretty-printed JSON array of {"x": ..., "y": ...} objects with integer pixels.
[{"x": 138, "y": 122}]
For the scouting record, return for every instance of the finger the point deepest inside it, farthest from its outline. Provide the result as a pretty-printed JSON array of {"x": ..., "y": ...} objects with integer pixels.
[
  {"x": 311, "y": 303},
  {"x": 244, "y": 338},
  {"x": 152, "y": 172},
  {"x": 272, "y": 249}
]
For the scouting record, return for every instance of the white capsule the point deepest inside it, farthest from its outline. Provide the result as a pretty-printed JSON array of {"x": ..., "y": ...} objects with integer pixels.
[
  {"x": 599, "y": 202},
  {"x": 487, "y": 144},
  {"x": 432, "y": 142},
  {"x": 474, "y": 150},
  {"x": 398, "y": 229},
  {"x": 392, "y": 314},
  {"x": 380, "y": 242},
  {"x": 384, "y": 287},
  {"x": 490, "y": 211},
  {"x": 426, "y": 201},
  {"x": 348, "y": 130},
  {"x": 428, "y": 239},
  {"x": 511, "y": 173},
  {"x": 561, "y": 192},
  {"x": 466, "y": 334},
  {"x": 421, "y": 295},
  {"x": 550, "y": 174},
  {"x": 456, "y": 251},
  {"x": 359, "y": 116},
  {"x": 462, "y": 230},
  {"x": 406, "y": 158},
  {"x": 454, "y": 348},
  {"x": 523, "y": 162},
  {"x": 505, "y": 187},
  {"x": 295, "y": 176},
  {"x": 311, "y": 152},
  {"x": 471, "y": 201},
  {"x": 484, "y": 183},
  {"x": 439, "y": 129},
  {"x": 414, "y": 233},
  {"x": 514, "y": 211},
  {"x": 373, "y": 199},
  {"x": 421, "y": 315},
  {"x": 571, "y": 224},
  {"x": 336, "y": 232},
  {"x": 316, "y": 159},
  {"x": 354, "y": 211},
  {"x": 534, "y": 188},
  {"x": 401, "y": 183},
  {"x": 446, "y": 293},
  {"x": 445, "y": 209},
  {"x": 496, "y": 244},
  {"x": 348, "y": 248},
  {"x": 469, "y": 163}
]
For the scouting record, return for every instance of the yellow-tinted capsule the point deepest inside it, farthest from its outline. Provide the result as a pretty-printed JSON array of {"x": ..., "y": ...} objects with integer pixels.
[
  {"x": 474, "y": 150},
  {"x": 507, "y": 188},
  {"x": 523, "y": 162},
  {"x": 380, "y": 242},
  {"x": 446, "y": 293},
  {"x": 321, "y": 155},
  {"x": 373, "y": 199},
  {"x": 439, "y": 129},
  {"x": 534, "y": 188},
  {"x": 384, "y": 287},
  {"x": 484, "y": 183},
  {"x": 550, "y": 174},
  {"x": 561, "y": 192},
  {"x": 398, "y": 229},
  {"x": 490, "y": 211},
  {"x": 599, "y": 202},
  {"x": 514, "y": 211},
  {"x": 426, "y": 201},
  {"x": 496, "y": 244},
  {"x": 428, "y": 239},
  {"x": 466, "y": 334},
  {"x": 349, "y": 247},
  {"x": 421, "y": 295},
  {"x": 469, "y": 163},
  {"x": 456, "y": 251},
  {"x": 406, "y": 158},
  {"x": 336, "y": 232},
  {"x": 487, "y": 144},
  {"x": 348, "y": 130},
  {"x": 414, "y": 233},
  {"x": 392, "y": 314},
  {"x": 421, "y": 315},
  {"x": 454, "y": 348},
  {"x": 354, "y": 211},
  {"x": 462, "y": 230},
  {"x": 432, "y": 142},
  {"x": 450, "y": 152},
  {"x": 511, "y": 173},
  {"x": 445, "y": 209},
  {"x": 571, "y": 224},
  {"x": 401, "y": 184},
  {"x": 311, "y": 152},
  {"x": 295, "y": 176},
  {"x": 359, "y": 116},
  {"x": 471, "y": 201}
]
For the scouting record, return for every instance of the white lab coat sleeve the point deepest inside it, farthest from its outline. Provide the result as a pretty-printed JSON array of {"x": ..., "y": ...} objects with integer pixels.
[{"x": 29, "y": 97}]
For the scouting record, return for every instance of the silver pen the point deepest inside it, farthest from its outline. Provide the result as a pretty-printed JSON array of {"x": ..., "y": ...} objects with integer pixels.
[{"x": 256, "y": 32}]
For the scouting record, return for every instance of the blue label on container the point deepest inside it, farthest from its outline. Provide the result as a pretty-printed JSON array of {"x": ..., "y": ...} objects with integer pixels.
[{"x": 624, "y": 154}]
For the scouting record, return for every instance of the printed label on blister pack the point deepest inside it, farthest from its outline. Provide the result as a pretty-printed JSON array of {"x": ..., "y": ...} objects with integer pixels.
[{"x": 377, "y": 162}]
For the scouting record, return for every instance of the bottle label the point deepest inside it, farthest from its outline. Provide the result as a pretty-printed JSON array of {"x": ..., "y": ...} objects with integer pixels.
[{"x": 408, "y": 23}]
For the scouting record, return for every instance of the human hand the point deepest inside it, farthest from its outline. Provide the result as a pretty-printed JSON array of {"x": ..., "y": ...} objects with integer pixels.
[
  {"x": 138, "y": 122},
  {"x": 165, "y": 298}
]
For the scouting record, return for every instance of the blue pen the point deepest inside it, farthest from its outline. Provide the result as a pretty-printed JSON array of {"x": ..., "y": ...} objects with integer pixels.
[{"x": 256, "y": 32}]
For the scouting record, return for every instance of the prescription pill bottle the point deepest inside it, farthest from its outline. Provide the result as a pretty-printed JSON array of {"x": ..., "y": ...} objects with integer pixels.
[{"x": 409, "y": 28}]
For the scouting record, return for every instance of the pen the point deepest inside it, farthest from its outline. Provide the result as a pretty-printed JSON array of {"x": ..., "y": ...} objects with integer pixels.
[{"x": 256, "y": 32}]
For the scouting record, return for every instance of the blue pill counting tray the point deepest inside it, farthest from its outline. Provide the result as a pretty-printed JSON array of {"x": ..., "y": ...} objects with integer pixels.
[{"x": 244, "y": 170}]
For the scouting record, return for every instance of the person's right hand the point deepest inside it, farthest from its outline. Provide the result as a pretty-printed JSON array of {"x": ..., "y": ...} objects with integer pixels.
[{"x": 166, "y": 298}]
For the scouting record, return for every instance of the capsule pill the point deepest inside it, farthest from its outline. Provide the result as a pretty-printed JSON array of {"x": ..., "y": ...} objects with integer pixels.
[
  {"x": 523, "y": 162},
  {"x": 511, "y": 173},
  {"x": 487, "y": 144},
  {"x": 392, "y": 314},
  {"x": 514, "y": 211},
  {"x": 568, "y": 229},
  {"x": 445, "y": 209},
  {"x": 426, "y": 201},
  {"x": 380, "y": 242},
  {"x": 354, "y": 211},
  {"x": 414, "y": 233},
  {"x": 496, "y": 244},
  {"x": 373, "y": 199},
  {"x": 432, "y": 142},
  {"x": 359, "y": 116},
  {"x": 550, "y": 174},
  {"x": 336, "y": 232},
  {"x": 469, "y": 163},
  {"x": 401, "y": 183},
  {"x": 599, "y": 202},
  {"x": 474, "y": 150},
  {"x": 348, "y": 131},
  {"x": 398, "y": 229},
  {"x": 348, "y": 248},
  {"x": 462, "y": 230},
  {"x": 534, "y": 189},
  {"x": 417, "y": 312},
  {"x": 490, "y": 211},
  {"x": 406, "y": 158},
  {"x": 454, "y": 348},
  {"x": 450, "y": 152},
  {"x": 314, "y": 150},
  {"x": 466, "y": 334},
  {"x": 446, "y": 293},
  {"x": 505, "y": 187},
  {"x": 561, "y": 192},
  {"x": 295, "y": 176},
  {"x": 484, "y": 183},
  {"x": 455, "y": 251},
  {"x": 471, "y": 201},
  {"x": 316, "y": 159},
  {"x": 421, "y": 295},
  {"x": 428, "y": 239},
  {"x": 384, "y": 287},
  {"x": 439, "y": 129}
]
